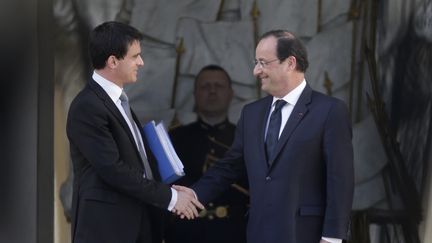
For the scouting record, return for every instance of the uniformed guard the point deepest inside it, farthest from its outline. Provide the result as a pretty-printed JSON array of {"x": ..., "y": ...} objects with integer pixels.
[{"x": 199, "y": 145}]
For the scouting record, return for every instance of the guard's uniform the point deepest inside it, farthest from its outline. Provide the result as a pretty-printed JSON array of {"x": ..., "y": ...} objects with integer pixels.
[{"x": 224, "y": 220}]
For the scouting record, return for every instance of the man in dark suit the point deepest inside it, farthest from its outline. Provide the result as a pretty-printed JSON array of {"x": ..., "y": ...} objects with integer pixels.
[
  {"x": 297, "y": 153},
  {"x": 116, "y": 192},
  {"x": 199, "y": 145}
]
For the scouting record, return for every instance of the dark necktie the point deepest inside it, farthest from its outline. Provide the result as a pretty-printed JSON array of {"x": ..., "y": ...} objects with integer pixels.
[
  {"x": 125, "y": 104},
  {"x": 273, "y": 129}
]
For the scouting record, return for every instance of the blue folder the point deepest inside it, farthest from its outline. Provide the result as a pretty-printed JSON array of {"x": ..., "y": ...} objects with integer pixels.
[{"x": 166, "y": 167}]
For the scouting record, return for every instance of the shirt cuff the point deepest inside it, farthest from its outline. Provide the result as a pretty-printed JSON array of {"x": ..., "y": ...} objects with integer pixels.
[
  {"x": 173, "y": 199},
  {"x": 332, "y": 240},
  {"x": 195, "y": 195}
]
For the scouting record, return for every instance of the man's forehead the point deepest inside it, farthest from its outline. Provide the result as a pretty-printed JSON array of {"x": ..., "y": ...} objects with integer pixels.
[
  {"x": 212, "y": 76},
  {"x": 267, "y": 44}
]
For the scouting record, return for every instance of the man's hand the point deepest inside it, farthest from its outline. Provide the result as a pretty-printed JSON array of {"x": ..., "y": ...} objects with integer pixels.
[
  {"x": 187, "y": 204},
  {"x": 187, "y": 190}
]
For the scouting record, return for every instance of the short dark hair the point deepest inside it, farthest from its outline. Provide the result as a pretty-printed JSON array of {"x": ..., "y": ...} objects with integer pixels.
[
  {"x": 289, "y": 45},
  {"x": 111, "y": 38},
  {"x": 212, "y": 67}
]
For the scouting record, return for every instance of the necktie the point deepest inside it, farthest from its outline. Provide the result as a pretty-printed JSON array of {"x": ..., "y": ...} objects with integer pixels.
[
  {"x": 273, "y": 129},
  {"x": 125, "y": 104}
]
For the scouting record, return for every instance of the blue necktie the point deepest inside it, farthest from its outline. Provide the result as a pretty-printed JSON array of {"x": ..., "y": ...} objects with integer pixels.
[
  {"x": 125, "y": 104},
  {"x": 273, "y": 129}
]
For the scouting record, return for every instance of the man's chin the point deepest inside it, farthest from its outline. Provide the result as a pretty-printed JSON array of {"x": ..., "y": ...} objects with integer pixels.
[
  {"x": 264, "y": 88},
  {"x": 131, "y": 81}
]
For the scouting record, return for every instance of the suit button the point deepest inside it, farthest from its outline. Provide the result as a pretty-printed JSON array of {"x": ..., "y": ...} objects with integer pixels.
[{"x": 268, "y": 178}]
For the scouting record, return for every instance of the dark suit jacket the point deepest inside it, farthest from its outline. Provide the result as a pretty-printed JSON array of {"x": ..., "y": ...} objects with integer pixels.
[
  {"x": 112, "y": 202},
  {"x": 198, "y": 152},
  {"x": 307, "y": 192}
]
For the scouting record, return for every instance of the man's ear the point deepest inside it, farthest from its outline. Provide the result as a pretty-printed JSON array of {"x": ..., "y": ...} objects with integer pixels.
[
  {"x": 292, "y": 63},
  {"x": 112, "y": 62}
]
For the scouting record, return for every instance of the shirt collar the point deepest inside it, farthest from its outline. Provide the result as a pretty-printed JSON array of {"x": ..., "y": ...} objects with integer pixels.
[
  {"x": 110, "y": 88},
  {"x": 293, "y": 96},
  {"x": 207, "y": 126}
]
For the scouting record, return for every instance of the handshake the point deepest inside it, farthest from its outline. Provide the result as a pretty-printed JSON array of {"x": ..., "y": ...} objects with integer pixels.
[{"x": 187, "y": 203}]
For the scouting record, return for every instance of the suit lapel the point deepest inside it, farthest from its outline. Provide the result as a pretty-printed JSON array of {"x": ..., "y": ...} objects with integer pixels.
[
  {"x": 111, "y": 107},
  {"x": 265, "y": 111},
  {"x": 299, "y": 112}
]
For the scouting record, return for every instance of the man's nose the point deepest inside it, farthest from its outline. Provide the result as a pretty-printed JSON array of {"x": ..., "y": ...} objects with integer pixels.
[
  {"x": 257, "y": 70},
  {"x": 140, "y": 61},
  {"x": 212, "y": 88}
]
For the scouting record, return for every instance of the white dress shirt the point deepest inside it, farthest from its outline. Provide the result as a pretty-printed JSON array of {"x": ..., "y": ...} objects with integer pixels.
[
  {"x": 114, "y": 93},
  {"x": 291, "y": 98}
]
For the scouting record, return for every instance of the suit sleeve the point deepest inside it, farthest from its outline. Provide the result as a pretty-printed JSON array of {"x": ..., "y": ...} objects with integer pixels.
[
  {"x": 338, "y": 152},
  {"x": 93, "y": 146},
  {"x": 225, "y": 172}
]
